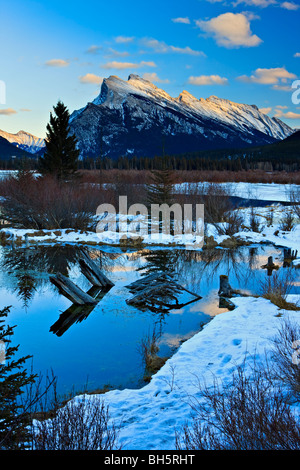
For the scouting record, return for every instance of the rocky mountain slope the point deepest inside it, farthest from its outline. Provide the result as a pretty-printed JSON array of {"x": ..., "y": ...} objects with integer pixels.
[
  {"x": 23, "y": 140},
  {"x": 135, "y": 117},
  {"x": 9, "y": 151}
]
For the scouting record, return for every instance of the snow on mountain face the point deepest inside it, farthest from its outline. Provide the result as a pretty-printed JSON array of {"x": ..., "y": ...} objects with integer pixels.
[
  {"x": 24, "y": 140},
  {"x": 135, "y": 117}
]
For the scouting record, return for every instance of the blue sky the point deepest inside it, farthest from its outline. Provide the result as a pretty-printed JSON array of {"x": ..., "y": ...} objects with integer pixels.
[{"x": 247, "y": 51}]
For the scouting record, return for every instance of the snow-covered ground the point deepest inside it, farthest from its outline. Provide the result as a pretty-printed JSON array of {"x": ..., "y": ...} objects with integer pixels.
[{"x": 149, "y": 415}]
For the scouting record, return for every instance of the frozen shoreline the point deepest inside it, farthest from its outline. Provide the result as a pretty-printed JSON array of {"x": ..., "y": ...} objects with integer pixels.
[{"x": 149, "y": 415}]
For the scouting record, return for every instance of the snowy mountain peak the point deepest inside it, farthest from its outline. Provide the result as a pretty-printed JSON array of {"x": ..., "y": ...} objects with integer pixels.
[
  {"x": 131, "y": 116},
  {"x": 186, "y": 97},
  {"x": 24, "y": 140}
]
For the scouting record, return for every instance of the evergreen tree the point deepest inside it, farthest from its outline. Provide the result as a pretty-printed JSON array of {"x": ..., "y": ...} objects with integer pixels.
[
  {"x": 61, "y": 155},
  {"x": 13, "y": 378},
  {"x": 160, "y": 190}
]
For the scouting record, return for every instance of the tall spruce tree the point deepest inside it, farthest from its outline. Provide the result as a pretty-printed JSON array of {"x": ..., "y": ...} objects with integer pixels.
[
  {"x": 14, "y": 420},
  {"x": 61, "y": 155},
  {"x": 160, "y": 189}
]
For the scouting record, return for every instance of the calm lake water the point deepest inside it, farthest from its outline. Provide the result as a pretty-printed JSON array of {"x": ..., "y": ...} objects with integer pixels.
[{"x": 100, "y": 347}]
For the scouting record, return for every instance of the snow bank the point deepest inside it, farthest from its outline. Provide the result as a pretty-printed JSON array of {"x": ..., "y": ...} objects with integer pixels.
[{"x": 149, "y": 415}]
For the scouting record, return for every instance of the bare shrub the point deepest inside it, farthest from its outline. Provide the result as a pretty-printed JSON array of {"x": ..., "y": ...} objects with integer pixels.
[
  {"x": 287, "y": 222},
  {"x": 250, "y": 414},
  {"x": 149, "y": 349},
  {"x": 45, "y": 203},
  {"x": 254, "y": 221},
  {"x": 233, "y": 222},
  {"x": 294, "y": 194},
  {"x": 82, "y": 424},
  {"x": 217, "y": 202},
  {"x": 277, "y": 287},
  {"x": 287, "y": 366}
]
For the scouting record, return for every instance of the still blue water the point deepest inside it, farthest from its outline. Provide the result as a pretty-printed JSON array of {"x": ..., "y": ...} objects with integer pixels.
[{"x": 103, "y": 348}]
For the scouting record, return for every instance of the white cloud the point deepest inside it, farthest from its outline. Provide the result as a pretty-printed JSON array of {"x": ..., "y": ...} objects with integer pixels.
[
  {"x": 127, "y": 65},
  {"x": 147, "y": 64},
  {"x": 7, "y": 112},
  {"x": 94, "y": 49},
  {"x": 162, "y": 48},
  {"x": 266, "y": 110},
  {"x": 256, "y": 3},
  {"x": 114, "y": 53},
  {"x": 288, "y": 115},
  {"x": 91, "y": 78},
  {"x": 230, "y": 30},
  {"x": 124, "y": 39},
  {"x": 185, "y": 20},
  {"x": 153, "y": 77},
  {"x": 208, "y": 80},
  {"x": 290, "y": 6},
  {"x": 275, "y": 76},
  {"x": 57, "y": 63},
  {"x": 261, "y": 3},
  {"x": 297, "y": 54},
  {"x": 282, "y": 88}
]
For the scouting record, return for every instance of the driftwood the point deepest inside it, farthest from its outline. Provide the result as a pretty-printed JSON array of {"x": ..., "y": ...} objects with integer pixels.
[
  {"x": 93, "y": 273},
  {"x": 158, "y": 292},
  {"x": 76, "y": 313},
  {"x": 71, "y": 290},
  {"x": 148, "y": 281}
]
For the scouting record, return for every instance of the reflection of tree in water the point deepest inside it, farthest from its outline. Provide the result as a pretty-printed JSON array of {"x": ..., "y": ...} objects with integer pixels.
[
  {"x": 25, "y": 288},
  {"x": 160, "y": 261},
  {"x": 196, "y": 266},
  {"x": 32, "y": 266},
  {"x": 18, "y": 263},
  {"x": 252, "y": 257},
  {"x": 43, "y": 259}
]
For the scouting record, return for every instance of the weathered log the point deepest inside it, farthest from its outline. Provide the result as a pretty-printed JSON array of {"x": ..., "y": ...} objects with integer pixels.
[
  {"x": 151, "y": 280},
  {"x": 160, "y": 294},
  {"x": 93, "y": 273},
  {"x": 76, "y": 313},
  {"x": 71, "y": 290},
  {"x": 153, "y": 293}
]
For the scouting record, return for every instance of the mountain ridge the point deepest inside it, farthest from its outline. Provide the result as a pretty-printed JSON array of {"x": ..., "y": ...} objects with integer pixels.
[
  {"x": 24, "y": 141},
  {"x": 135, "y": 117}
]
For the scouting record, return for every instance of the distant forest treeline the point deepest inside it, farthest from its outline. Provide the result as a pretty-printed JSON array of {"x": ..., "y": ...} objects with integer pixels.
[{"x": 281, "y": 156}]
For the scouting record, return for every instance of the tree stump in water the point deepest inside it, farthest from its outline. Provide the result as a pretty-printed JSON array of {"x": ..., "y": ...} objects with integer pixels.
[
  {"x": 270, "y": 265},
  {"x": 288, "y": 256},
  {"x": 225, "y": 289}
]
